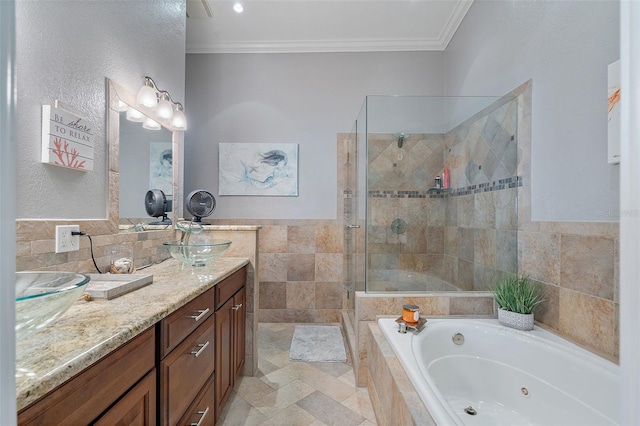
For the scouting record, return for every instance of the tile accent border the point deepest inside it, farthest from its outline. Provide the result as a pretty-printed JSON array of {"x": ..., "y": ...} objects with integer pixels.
[{"x": 512, "y": 182}]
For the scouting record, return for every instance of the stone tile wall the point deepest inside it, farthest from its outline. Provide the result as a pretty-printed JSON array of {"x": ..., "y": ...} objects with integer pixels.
[
  {"x": 393, "y": 397},
  {"x": 480, "y": 238},
  {"x": 301, "y": 270},
  {"x": 480, "y": 231},
  {"x": 462, "y": 238},
  {"x": 35, "y": 248}
]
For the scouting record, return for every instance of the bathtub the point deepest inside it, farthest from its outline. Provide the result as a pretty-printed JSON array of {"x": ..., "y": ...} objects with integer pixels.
[{"x": 502, "y": 376}]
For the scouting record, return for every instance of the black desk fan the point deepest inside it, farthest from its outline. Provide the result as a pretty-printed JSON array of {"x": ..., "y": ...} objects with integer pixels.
[
  {"x": 200, "y": 203},
  {"x": 157, "y": 205}
]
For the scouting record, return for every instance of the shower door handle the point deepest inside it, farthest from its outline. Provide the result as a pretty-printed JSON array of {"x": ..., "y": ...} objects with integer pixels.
[{"x": 353, "y": 226}]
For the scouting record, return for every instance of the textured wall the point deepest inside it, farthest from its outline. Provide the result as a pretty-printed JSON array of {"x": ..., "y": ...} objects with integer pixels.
[
  {"x": 565, "y": 48},
  {"x": 65, "y": 50}
]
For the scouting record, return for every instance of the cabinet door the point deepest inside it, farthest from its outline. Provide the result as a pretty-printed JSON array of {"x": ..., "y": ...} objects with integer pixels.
[
  {"x": 224, "y": 354},
  {"x": 137, "y": 407},
  {"x": 239, "y": 321},
  {"x": 86, "y": 396}
]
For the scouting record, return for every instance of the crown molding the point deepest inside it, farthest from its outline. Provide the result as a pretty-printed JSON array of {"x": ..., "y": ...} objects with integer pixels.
[
  {"x": 316, "y": 46},
  {"x": 454, "y": 21},
  {"x": 345, "y": 45}
]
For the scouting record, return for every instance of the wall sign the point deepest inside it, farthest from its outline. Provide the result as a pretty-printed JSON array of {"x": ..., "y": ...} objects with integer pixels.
[{"x": 67, "y": 139}]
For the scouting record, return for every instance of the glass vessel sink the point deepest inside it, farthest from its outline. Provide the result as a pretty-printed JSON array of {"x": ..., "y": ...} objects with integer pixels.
[
  {"x": 197, "y": 253},
  {"x": 41, "y": 297}
]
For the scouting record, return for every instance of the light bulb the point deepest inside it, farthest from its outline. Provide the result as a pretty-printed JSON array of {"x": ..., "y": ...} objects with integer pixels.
[
  {"x": 238, "y": 7},
  {"x": 165, "y": 109},
  {"x": 179, "y": 121},
  {"x": 135, "y": 115},
  {"x": 147, "y": 97},
  {"x": 151, "y": 124}
]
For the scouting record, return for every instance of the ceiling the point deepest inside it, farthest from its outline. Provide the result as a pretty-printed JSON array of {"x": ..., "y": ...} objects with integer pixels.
[{"x": 322, "y": 25}]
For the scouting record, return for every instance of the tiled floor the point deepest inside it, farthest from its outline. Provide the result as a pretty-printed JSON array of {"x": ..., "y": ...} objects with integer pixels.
[{"x": 296, "y": 393}]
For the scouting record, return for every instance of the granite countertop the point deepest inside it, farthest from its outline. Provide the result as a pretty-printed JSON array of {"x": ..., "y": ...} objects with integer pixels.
[{"x": 90, "y": 330}]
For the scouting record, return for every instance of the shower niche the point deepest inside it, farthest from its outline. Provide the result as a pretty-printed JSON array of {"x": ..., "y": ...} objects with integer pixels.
[{"x": 408, "y": 235}]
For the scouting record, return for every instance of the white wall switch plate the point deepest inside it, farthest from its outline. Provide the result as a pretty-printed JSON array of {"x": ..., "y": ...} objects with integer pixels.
[{"x": 65, "y": 241}]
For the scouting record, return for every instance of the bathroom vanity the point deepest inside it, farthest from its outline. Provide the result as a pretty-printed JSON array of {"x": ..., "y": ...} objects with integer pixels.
[{"x": 168, "y": 353}]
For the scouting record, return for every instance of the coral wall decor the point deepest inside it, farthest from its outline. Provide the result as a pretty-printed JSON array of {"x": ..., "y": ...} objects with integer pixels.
[
  {"x": 67, "y": 139},
  {"x": 613, "y": 126}
]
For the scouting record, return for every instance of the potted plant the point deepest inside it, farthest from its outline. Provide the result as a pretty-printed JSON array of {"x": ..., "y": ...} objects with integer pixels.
[{"x": 517, "y": 297}]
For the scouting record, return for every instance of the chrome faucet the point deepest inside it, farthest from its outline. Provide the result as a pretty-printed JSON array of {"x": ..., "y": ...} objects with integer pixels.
[
  {"x": 187, "y": 229},
  {"x": 403, "y": 326}
]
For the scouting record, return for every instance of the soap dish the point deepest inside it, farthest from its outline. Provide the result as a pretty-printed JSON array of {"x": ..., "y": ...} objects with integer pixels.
[{"x": 110, "y": 286}]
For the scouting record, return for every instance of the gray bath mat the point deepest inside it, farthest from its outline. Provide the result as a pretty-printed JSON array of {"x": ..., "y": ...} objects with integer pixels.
[{"x": 317, "y": 343}]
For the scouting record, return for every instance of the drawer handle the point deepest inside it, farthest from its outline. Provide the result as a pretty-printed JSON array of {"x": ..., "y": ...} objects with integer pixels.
[
  {"x": 235, "y": 308},
  {"x": 202, "y": 312},
  {"x": 202, "y": 346},
  {"x": 204, "y": 413}
]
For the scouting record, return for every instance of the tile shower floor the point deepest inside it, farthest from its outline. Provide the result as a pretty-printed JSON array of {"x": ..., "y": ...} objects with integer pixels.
[{"x": 285, "y": 392}]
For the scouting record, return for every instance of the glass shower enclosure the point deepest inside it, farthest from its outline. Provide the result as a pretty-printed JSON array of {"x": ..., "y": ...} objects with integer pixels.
[{"x": 431, "y": 191}]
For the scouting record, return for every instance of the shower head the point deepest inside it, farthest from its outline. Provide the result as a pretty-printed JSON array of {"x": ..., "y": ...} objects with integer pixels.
[{"x": 401, "y": 137}]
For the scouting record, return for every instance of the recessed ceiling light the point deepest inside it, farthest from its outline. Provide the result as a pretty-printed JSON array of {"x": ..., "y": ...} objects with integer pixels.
[{"x": 238, "y": 8}]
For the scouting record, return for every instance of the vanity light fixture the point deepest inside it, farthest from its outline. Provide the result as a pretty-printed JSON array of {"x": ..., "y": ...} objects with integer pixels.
[
  {"x": 147, "y": 95},
  {"x": 151, "y": 124},
  {"x": 122, "y": 106},
  {"x": 179, "y": 122},
  {"x": 164, "y": 108},
  {"x": 135, "y": 115}
]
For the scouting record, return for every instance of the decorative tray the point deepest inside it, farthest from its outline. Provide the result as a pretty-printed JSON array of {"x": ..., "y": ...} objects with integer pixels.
[{"x": 110, "y": 286}]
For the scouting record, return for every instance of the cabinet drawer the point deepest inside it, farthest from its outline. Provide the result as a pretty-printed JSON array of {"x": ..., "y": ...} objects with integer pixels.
[
  {"x": 228, "y": 287},
  {"x": 136, "y": 408},
  {"x": 185, "y": 370},
  {"x": 87, "y": 395},
  {"x": 177, "y": 326},
  {"x": 201, "y": 412}
]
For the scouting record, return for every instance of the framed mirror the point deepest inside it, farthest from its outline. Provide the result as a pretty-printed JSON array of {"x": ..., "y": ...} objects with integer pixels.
[{"x": 140, "y": 159}]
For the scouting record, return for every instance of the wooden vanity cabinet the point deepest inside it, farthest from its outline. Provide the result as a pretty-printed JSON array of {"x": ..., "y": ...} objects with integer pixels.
[
  {"x": 230, "y": 334},
  {"x": 179, "y": 372},
  {"x": 121, "y": 386},
  {"x": 239, "y": 324},
  {"x": 187, "y": 361}
]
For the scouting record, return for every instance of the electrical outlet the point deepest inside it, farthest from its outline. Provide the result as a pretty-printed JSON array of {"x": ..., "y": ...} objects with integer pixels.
[{"x": 64, "y": 240}]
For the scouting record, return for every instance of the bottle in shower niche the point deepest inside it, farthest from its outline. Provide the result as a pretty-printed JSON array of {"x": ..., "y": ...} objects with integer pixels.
[
  {"x": 445, "y": 179},
  {"x": 437, "y": 183}
]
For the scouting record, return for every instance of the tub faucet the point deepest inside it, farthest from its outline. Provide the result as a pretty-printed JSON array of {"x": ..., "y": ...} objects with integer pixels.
[{"x": 403, "y": 326}]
